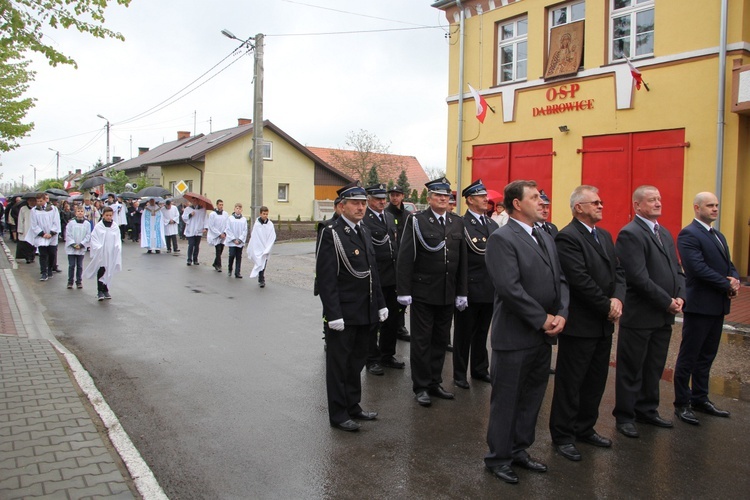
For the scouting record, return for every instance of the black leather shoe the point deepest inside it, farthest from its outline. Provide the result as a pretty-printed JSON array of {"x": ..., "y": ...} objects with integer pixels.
[
  {"x": 423, "y": 398},
  {"x": 685, "y": 414},
  {"x": 551, "y": 371},
  {"x": 569, "y": 451},
  {"x": 656, "y": 421},
  {"x": 375, "y": 369},
  {"x": 628, "y": 429},
  {"x": 503, "y": 472},
  {"x": 710, "y": 408},
  {"x": 530, "y": 464},
  {"x": 391, "y": 362},
  {"x": 449, "y": 348},
  {"x": 439, "y": 392},
  {"x": 596, "y": 440},
  {"x": 461, "y": 383},
  {"x": 349, "y": 426},
  {"x": 483, "y": 378},
  {"x": 365, "y": 415},
  {"x": 404, "y": 336}
]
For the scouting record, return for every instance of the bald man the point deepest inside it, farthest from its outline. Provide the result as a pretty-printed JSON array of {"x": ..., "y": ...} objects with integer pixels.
[{"x": 711, "y": 281}]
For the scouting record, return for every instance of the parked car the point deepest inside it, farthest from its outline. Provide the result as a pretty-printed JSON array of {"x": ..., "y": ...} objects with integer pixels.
[{"x": 409, "y": 206}]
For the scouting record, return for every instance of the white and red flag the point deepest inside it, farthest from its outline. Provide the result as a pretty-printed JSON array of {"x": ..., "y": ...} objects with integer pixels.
[
  {"x": 481, "y": 104},
  {"x": 637, "y": 77}
]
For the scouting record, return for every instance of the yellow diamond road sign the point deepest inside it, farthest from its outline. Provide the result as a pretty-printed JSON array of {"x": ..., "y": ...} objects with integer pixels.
[{"x": 181, "y": 187}]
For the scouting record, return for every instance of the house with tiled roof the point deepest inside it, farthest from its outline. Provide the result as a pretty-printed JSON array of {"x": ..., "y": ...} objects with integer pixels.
[{"x": 391, "y": 165}]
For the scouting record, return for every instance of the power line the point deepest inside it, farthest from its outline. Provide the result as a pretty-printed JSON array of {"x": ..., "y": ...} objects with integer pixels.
[
  {"x": 356, "y": 32},
  {"x": 355, "y": 13}
]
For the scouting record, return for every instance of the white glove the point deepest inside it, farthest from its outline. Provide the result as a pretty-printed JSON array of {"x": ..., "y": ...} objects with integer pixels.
[
  {"x": 383, "y": 314},
  {"x": 336, "y": 324},
  {"x": 404, "y": 300},
  {"x": 461, "y": 303}
]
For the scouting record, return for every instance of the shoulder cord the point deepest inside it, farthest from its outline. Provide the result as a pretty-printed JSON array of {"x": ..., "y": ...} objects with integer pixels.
[
  {"x": 472, "y": 246},
  {"x": 343, "y": 258},
  {"x": 427, "y": 247}
]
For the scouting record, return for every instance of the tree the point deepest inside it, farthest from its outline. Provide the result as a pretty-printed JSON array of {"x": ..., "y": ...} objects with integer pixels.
[
  {"x": 46, "y": 184},
  {"x": 391, "y": 183},
  {"x": 21, "y": 25},
  {"x": 414, "y": 198},
  {"x": 363, "y": 152},
  {"x": 403, "y": 181},
  {"x": 423, "y": 197},
  {"x": 14, "y": 80},
  {"x": 372, "y": 177},
  {"x": 434, "y": 173}
]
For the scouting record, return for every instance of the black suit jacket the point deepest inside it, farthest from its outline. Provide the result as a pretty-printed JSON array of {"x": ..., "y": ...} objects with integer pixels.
[
  {"x": 384, "y": 240},
  {"x": 594, "y": 276},
  {"x": 481, "y": 289},
  {"x": 399, "y": 217},
  {"x": 652, "y": 273},
  {"x": 435, "y": 278},
  {"x": 528, "y": 286},
  {"x": 707, "y": 264},
  {"x": 344, "y": 296}
]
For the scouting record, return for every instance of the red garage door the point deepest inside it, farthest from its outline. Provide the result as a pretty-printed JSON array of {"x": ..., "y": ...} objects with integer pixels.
[
  {"x": 617, "y": 164},
  {"x": 499, "y": 164}
]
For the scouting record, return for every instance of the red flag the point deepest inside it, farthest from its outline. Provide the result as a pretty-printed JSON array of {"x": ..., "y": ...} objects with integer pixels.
[
  {"x": 481, "y": 104},
  {"x": 636, "y": 74}
]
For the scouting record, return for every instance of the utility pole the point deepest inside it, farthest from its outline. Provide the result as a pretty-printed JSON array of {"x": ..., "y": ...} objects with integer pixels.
[
  {"x": 100, "y": 116},
  {"x": 57, "y": 172}
]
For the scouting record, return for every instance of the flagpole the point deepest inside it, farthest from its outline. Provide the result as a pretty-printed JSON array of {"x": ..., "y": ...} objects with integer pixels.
[{"x": 460, "y": 148}]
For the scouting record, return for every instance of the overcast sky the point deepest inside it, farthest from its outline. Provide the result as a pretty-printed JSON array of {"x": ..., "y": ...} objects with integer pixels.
[{"x": 392, "y": 83}]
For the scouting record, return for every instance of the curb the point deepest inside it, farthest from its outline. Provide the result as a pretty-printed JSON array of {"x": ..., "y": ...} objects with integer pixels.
[{"x": 36, "y": 326}]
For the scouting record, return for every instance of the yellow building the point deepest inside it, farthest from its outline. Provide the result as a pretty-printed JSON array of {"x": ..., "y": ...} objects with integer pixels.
[{"x": 565, "y": 109}]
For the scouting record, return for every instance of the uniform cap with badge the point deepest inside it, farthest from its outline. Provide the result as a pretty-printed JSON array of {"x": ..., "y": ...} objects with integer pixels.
[
  {"x": 376, "y": 191},
  {"x": 544, "y": 197},
  {"x": 352, "y": 191},
  {"x": 396, "y": 189},
  {"x": 476, "y": 188},
  {"x": 439, "y": 186}
]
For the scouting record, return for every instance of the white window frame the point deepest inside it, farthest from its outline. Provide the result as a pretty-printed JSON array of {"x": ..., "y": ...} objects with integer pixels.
[
  {"x": 514, "y": 41},
  {"x": 284, "y": 199},
  {"x": 267, "y": 150},
  {"x": 569, "y": 13},
  {"x": 636, "y": 7}
]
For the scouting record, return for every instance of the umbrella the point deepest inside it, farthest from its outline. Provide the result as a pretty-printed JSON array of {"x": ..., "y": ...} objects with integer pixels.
[
  {"x": 157, "y": 199},
  {"x": 198, "y": 199},
  {"x": 92, "y": 182},
  {"x": 179, "y": 201},
  {"x": 75, "y": 197},
  {"x": 128, "y": 195},
  {"x": 494, "y": 195},
  {"x": 57, "y": 192},
  {"x": 29, "y": 195},
  {"x": 153, "y": 191}
]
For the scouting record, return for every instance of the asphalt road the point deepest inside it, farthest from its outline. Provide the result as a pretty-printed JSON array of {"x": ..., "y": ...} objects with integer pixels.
[{"x": 220, "y": 385}]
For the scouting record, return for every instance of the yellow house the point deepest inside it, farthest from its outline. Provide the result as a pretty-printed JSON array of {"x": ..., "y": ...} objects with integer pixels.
[
  {"x": 564, "y": 108},
  {"x": 219, "y": 166}
]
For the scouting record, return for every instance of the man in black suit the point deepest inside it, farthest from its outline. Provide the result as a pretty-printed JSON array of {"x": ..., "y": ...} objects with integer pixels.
[
  {"x": 396, "y": 208},
  {"x": 473, "y": 323},
  {"x": 545, "y": 224},
  {"x": 432, "y": 278},
  {"x": 712, "y": 281},
  {"x": 353, "y": 304},
  {"x": 384, "y": 240},
  {"x": 597, "y": 291},
  {"x": 531, "y": 307},
  {"x": 655, "y": 293}
]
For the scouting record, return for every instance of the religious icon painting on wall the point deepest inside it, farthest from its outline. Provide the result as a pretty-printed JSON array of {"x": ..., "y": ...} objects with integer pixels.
[{"x": 565, "y": 50}]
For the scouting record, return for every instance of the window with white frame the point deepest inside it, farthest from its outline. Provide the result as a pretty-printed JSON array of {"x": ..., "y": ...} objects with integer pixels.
[
  {"x": 267, "y": 150},
  {"x": 512, "y": 50},
  {"x": 567, "y": 13},
  {"x": 283, "y": 192},
  {"x": 631, "y": 28}
]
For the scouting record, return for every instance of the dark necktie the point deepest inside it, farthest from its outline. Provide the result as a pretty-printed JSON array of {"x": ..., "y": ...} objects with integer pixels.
[
  {"x": 540, "y": 241},
  {"x": 442, "y": 221},
  {"x": 658, "y": 236},
  {"x": 545, "y": 226},
  {"x": 716, "y": 235},
  {"x": 595, "y": 235}
]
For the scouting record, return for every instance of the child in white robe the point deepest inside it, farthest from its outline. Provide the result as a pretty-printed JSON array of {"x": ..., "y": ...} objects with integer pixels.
[
  {"x": 106, "y": 253},
  {"x": 261, "y": 242},
  {"x": 236, "y": 231},
  {"x": 77, "y": 239}
]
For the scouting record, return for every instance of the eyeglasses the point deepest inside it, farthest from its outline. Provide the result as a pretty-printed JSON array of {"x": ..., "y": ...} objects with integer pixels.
[{"x": 598, "y": 203}]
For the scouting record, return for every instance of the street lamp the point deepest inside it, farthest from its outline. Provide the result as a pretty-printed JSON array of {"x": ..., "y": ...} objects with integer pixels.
[
  {"x": 100, "y": 116},
  {"x": 57, "y": 174},
  {"x": 256, "y": 188}
]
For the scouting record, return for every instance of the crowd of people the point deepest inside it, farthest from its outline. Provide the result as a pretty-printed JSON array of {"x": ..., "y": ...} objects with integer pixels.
[
  {"x": 40, "y": 222},
  {"x": 528, "y": 286}
]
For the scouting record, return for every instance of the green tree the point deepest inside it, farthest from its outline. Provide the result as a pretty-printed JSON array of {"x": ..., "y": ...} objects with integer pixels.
[
  {"x": 372, "y": 176},
  {"x": 46, "y": 184},
  {"x": 22, "y": 25},
  {"x": 120, "y": 179},
  {"x": 423, "y": 197},
  {"x": 391, "y": 183},
  {"x": 414, "y": 198},
  {"x": 403, "y": 181}
]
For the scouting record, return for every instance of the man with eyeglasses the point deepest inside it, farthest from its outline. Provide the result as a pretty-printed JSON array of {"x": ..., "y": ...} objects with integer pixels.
[{"x": 597, "y": 291}]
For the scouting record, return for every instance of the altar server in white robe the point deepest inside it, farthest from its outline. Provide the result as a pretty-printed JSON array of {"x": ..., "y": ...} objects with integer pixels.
[
  {"x": 44, "y": 228},
  {"x": 236, "y": 231},
  {"x": 170, "y": 214},
  {"x": 106, "y": 253},
  {"x": 121, "y": 217},
  {"x": 152, "y": 227},
  {"x": 261, "y": 242},
  {"x": 195, "y": 225},
  {"x": 217, "y": 222}
]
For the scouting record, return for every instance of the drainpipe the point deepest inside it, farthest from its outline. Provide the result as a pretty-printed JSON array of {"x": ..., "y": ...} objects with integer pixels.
[
  {"x": 460, "y": 148},
  {"x": 720, "y": 121}
]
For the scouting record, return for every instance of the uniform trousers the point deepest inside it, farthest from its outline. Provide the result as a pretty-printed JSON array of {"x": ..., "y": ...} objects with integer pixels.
[
  {"x": 470, "y": 340},
  {"x": 701, "y": 334},
  {"x": 641, "y": 355},
  {"x": 383, "y": 345},
  {"x": 346, "y": 352},
  {"x": 430, "y": 334},
  {"x": 519, "y": 380},
  {"x": 580, "y": 380}
]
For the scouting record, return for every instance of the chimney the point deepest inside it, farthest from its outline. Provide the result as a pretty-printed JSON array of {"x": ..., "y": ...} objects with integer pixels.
[
  {"x": 182, "y": 134},
  {"x": 142, "y": 150},
  {"x": 243, "y": 121},
  {"x": 116, "y": 159}
]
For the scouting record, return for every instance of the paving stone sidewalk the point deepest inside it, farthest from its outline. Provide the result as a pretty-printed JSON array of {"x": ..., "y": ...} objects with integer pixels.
[{"x": 50, "y": 446}]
